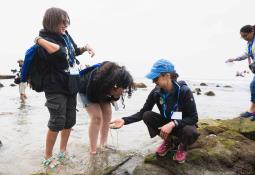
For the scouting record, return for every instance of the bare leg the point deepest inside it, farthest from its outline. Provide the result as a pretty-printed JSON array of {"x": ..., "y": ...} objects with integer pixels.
[
  {"x": 50, "y": 141},
  {"x": 95, "y": 114},
  {"x": 22, "y": 98},
  {"x": 65, "y": 133},
  {"x": 104, "y": 129},
  {"x": 252, "y": 107}
]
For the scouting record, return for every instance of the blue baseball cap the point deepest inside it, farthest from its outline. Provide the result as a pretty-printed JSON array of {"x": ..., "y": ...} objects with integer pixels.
[{"x": 160, "y": 66}]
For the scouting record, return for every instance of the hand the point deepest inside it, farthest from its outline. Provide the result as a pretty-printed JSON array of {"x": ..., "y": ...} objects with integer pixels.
[
  {"x": 230, "y": 60},
  {"x": 117, "y": 123},
  {"x": 166, "y": 130},
  {"x": 90, "y": 50}
]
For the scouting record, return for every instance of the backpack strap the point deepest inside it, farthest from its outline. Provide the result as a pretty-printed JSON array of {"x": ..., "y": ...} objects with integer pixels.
[{"x": 87, "y": 69}]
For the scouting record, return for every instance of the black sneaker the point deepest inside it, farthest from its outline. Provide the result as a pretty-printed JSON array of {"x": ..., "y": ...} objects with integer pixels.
[{"x": 247, "y": 114}]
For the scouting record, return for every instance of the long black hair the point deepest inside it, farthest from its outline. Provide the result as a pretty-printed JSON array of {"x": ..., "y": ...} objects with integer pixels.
[
  {"x": 110, "y": 75},
  {"x": 247, "y": 29}
]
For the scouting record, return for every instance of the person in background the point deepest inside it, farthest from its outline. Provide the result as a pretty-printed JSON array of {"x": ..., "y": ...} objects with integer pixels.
[
  {"x": 247, "y": 33},
  {"x": 22, "y": 85},
  {"x": 102, "y": 85},
  {"x": 61, "y": 82},
  {"x": 178, "y": 114}
]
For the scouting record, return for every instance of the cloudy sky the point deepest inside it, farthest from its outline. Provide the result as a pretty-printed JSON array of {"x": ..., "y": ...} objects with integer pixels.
[{"x": 197, "y": 36}]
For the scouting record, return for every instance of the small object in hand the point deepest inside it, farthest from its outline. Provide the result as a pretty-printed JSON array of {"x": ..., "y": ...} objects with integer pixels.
[{"x": 112, "y": 126}]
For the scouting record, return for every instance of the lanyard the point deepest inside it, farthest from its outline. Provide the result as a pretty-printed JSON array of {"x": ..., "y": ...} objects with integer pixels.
[
  {"x": 70, "y": 50},
  {"x": 250, "y": 49},
  {"x": 164, "y": 105}
]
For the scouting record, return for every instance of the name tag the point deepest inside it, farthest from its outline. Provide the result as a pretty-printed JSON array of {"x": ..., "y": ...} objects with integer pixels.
[
  {"x": 177, "y": 116},
  {"x": 74, "y": 70}
]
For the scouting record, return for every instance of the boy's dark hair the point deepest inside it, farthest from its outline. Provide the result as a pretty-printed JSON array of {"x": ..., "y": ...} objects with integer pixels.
[
  {"x": 247, "y": 29},
  {"x": 53, "y": 17}
]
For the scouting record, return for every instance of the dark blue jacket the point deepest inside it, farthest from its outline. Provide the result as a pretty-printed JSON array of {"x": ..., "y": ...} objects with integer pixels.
[
  {"x": 186, "y": 105},
  {"x": 58, "y": 79}
]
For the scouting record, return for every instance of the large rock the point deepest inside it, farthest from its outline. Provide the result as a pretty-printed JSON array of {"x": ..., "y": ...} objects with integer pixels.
[
  {"x": 210, "y": 93},
  {"x": 224, "y": 147},
  {"x": 1, "y": 85},
  {"x": 197, "y": 91},
  {"x": 7, "y": 76},
  {"x": 203, "y": 84},
  {"x": 12, "y": 85},
  {"x": 227, "y": 86},
  {"x": 139, "y": 85}
]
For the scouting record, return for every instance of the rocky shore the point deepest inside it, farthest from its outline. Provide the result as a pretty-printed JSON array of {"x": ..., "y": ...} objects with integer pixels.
[{"x": 225, "y": 147}]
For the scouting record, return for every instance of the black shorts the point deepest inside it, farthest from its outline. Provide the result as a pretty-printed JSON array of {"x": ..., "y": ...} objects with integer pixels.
[{"x": 62, "y": 110}]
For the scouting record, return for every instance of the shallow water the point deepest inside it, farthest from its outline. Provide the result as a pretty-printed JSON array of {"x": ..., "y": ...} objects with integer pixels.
[{"x": 23, "y": 126}]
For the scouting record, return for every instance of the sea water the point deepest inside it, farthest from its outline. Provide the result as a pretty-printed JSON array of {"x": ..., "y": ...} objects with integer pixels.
[{"x": 23, "y": 127}]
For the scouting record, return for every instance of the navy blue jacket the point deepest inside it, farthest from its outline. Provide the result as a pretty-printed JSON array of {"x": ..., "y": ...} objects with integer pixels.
[
  {"x": 58, "y": 79},
  {"x": 186, "y": 105}
]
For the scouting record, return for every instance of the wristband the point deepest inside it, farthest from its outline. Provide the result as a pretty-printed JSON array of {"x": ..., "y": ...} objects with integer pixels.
[{"x": 36, "y": 39}]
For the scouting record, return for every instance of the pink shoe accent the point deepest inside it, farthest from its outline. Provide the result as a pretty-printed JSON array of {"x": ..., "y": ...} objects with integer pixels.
[
  {"x": 163, "y": 149},
  {"x": 180, "y": 155}
]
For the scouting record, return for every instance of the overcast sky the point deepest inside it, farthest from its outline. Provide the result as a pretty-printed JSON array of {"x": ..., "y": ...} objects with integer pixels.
[{"x": 197, "y": 36}]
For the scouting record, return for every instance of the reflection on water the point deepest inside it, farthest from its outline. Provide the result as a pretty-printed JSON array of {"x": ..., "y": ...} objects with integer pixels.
[{"x": 22, "y": 114}]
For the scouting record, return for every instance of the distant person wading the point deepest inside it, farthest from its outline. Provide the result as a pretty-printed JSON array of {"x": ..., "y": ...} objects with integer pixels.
[
  {"x": 22, "y": 85},
  {"x": 247, "y": 33}
]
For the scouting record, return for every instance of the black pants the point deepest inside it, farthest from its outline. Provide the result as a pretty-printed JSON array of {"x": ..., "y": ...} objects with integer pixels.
[{"x": 186, "y": 135}]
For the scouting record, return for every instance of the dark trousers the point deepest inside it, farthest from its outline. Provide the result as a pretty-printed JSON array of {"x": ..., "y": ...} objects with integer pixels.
[{"x": 186, "y": 135}]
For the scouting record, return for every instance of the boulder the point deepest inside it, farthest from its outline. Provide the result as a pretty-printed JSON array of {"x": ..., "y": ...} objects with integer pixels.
[
  {"x": 139, "y": 85},
  {"x": 224, "y": 147},
  {"x": 1, "y": 85},
  {"x": 203, "y": 84},
  {"x": 7, "y": 76},
  {"x": 197, "y": 91},
  {"x": 210, "y": 93}
]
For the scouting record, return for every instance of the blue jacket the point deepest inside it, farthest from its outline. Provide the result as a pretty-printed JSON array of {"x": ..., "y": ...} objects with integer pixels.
[{"x": 186, "y": 105}]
